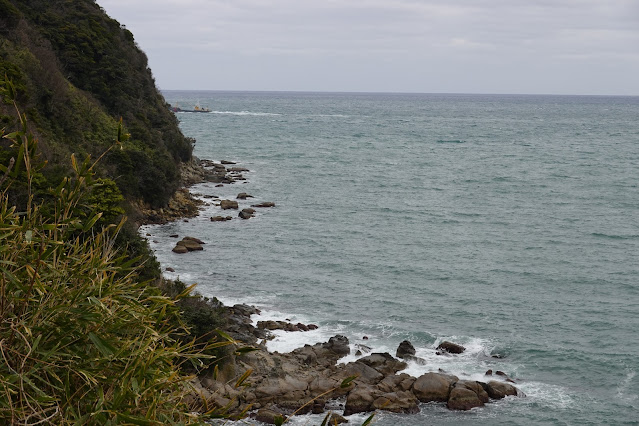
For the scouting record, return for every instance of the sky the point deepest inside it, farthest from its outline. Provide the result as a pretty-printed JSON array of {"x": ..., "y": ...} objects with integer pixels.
[{"x": 423, "y": 46}]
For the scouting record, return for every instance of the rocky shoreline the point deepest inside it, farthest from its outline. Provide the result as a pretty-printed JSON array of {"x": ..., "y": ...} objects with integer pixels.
[{"x": 310, "y": 379}]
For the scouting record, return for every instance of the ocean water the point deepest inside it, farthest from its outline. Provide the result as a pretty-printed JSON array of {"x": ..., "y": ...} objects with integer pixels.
[{"x": 509, "y": 224}]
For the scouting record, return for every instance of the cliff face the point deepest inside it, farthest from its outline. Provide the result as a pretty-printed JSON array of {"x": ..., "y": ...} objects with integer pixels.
[{"x": 77, "y": 72}]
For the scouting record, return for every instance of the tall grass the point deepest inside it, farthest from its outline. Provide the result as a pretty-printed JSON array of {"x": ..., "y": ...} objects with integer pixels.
[{"x": 82, "y": 340}]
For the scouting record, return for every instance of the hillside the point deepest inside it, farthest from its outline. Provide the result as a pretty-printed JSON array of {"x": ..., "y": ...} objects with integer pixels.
[{"x": 76, "y": 73}]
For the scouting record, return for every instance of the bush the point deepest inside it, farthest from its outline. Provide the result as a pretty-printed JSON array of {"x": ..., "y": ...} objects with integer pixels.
[{"x": 82, "y": 339}]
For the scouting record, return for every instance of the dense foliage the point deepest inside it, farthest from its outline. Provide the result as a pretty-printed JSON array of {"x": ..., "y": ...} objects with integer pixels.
[
  {"x": 76, "y": 72},
  {"x": 82, "y": 339}
]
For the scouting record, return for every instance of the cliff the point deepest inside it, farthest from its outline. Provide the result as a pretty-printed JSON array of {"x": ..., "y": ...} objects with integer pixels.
[{"x": 77, "y": 72}]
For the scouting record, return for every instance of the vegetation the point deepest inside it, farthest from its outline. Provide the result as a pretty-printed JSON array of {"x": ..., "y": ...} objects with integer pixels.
[
  {"x": 76, "y": 73},
  {"x": 82, "y": 339}
]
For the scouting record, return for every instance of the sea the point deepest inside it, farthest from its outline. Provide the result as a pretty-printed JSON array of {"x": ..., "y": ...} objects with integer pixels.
[{"x": 505, "y": 223}]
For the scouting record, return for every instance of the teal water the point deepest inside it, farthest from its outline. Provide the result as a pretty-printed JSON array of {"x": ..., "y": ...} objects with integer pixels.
[{"x": 509, "y": 224}]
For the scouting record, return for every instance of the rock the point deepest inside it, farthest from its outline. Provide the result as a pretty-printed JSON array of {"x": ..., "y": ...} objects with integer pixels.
[
  {"x": 397, "y": 402},
  {"x": 148, "y": 234},
  {"x": 220, "y": 218},
  {"x": 226, "y": 162},
  {"x": 365, "y": 338},
  {"x": 336, "y": 419},
  {"x": 499, "y": 390},
  {"x": 338, "y": 344},
  {"x": 476, "y": 387},
  {"x": 180, "y": 249},
  {"x": 238, "y": 169},
  {"x": 219, "y": 185},
  {"x": 174, "y": 236},
  {"x": 197, "y": 240},
  {"x": 417, "y": 360},
  {"x": 451, "y": 348},
  {"x": 384, "y": 363},
  {"x": 243, "y": 196},
  {"x": 489, "y": 373},
  {"x": 228, "y": 204},
  {"x": 396, "y": 382},
  {"x": 433, "y": 387},
  {"x": 365, "y": 373},
  {"x": 358, "y": 353},
  {"x": 268, "y": 416},
  {"x": 265, "y": 204},
  {"x": 463, "y": 399},
  {"x": 360, "y": 400},
  {"x": 363, "y": 348},
  {"x": 190, "y": 245},
  {"x": 405, "y": 348},
  {"x": 312, "y": 327},
  {"x": 169, "y": 269},
  {"x": 247, "y": 213}
]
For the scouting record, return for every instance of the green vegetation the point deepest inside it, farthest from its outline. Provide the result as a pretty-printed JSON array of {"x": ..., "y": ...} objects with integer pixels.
[
  {"x": 76, "y": 73},
  {"x": 82, "y": 339}
]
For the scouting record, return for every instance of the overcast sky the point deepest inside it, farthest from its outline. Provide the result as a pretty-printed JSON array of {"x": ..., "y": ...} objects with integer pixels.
[{"x": 430, "y": 46}]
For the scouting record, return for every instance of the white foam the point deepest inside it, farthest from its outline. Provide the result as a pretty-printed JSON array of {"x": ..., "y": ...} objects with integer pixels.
[{"x": 258, "y": 114}]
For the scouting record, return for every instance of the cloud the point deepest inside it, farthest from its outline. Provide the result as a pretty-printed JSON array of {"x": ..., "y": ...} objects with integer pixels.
[{"x": 410, "y": 33}]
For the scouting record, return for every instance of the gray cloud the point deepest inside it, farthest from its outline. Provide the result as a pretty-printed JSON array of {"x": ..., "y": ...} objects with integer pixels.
[{"x": 497, "y": 46}]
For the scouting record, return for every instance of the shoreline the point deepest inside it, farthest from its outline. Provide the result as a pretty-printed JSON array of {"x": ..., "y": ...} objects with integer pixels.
[{"x": 283, "y": 384}]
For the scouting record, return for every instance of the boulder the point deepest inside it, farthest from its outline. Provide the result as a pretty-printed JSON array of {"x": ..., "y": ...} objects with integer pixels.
[
  {"x": 463, "y": 399},
  {"x": 190, "y": 245},
  {"x": 360, "y": 400},
  {"x": 499, "y": 390},
  {"x": 405, "y": 348},
  {"x": 197, "y": 240},
  {"x": 238, "y": 169},
  {"x": 265, "y": 204},
  {"x": 364, "y": 373},
  {"x": 220, "y": 218},
  {"x": 384, "y": 363},
  {"x": 268, "y": 416},
  {"x": 451, "y": 348},
  {"x": 397, "y": 402},
  {"x": 243, "y": 196},
  {"x": 179, "y": 248},
  {"x": 433, "y": 387},
  {"x": 396, "y": 382},
  {"x": 169, "y": 269},
  {"x": 227, "y": 162},
  {"x": 476, "y": 387},
  {"x": 336, "y": 419},
  {"x": 229, "y": 204},
  {"x": 247, "y": 213},
  {"x": 338, "y": 344}
]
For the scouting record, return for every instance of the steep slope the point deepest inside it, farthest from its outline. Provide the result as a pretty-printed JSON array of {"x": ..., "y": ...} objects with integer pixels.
[{"x": 77, "y": 72}]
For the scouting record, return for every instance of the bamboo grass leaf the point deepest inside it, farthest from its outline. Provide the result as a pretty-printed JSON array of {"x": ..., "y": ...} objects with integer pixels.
[{"x": 103, "y": 346}]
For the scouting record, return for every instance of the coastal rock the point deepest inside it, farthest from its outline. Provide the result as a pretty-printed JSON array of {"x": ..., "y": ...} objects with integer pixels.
[
  {"x": 238, "y": 169},
  {"x": 336, "y": 419},
  {"x": 435, "y": 387},
  {"x": 180, "y": 249},
  {"x": 405, "y": 348},
  {"x": 396, "y": 382},
  {"x": 451, "y": 348},
  {"x": 384, "y": 363},
  {"x": 243, "y": 196},
  {"x": 169, "y": 269},
  {"x": 196, "y": 240},
  {"x": 360, "y": 400},
  {"x": 190, "y": 245},
  {"x": 220, "y": 218},
  {"x": 476, "y": 387},
  {"x": 264, "y": 204},
  {"x": 227, "y": 162},
  {"x": 499, "y": 390},
  {"x": 268, "y": 416},
  {"x": 397, "y": 402},
  {"x": 338, "y": 344},
  {"x": 462, "y": 398},
  {"x": 229, "y": 204},
  {"x": 247, "y": 213}
]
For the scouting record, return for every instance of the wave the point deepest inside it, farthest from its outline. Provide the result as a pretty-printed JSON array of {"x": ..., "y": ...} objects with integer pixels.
[{"x": 256, "y": 114}]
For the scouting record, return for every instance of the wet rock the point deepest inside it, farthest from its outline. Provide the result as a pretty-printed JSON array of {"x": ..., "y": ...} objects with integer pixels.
[
  {"x": 435, "y": 387},
  {"x": 360, "y": 400},
  {"x": 384, "y": 363},
  {"x": 396, "y": 382},
  {"x": 499, "y": 390},
  {"x": 363, "y": 348},
  {"x": 220, "y": 218},
  {"x": 169, "y": 269},
  {"x": 265, "y": 204},
  {"x": 405, "y": 348},
  {"x": 227, "y": 162},
  {"x": 397, "y": 402},
  {"x": 336, "y": 419},
  {"x": 338, "y": 344},
  {"x": 180, "y": 249},
  {"x": 476, "y": 387},
  {"x": 451, "y": 348},
  {"x": 269, "y": 416},
  {"x": 464, "y": 399},
  {"x": 489, "y": 373},
  {"x": 247, "y": 213},
  {"x": 238, "y": 169},
  {"x": 228, "y": 204},
  {"x": 196, "y": 240},
  {"x": 243, "y": 196},
  {"x": 174, "y": 236},
  {"x": 190, "y": 245}
]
